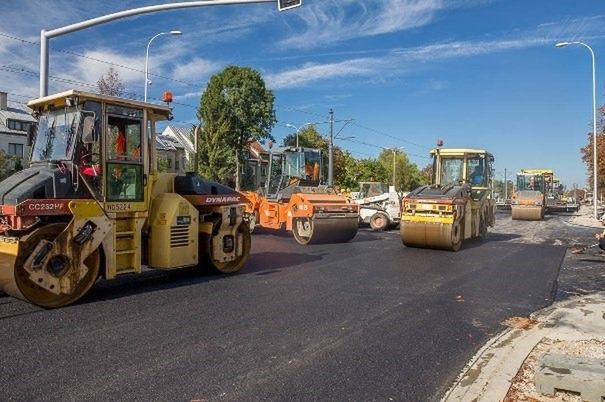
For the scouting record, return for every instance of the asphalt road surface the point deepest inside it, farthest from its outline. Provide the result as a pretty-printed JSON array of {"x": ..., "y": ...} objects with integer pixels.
[{"x": 365, "y": 320}]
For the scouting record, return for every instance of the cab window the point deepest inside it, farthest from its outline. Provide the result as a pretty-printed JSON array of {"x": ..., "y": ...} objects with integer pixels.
[{"x": 124, "y": 179}]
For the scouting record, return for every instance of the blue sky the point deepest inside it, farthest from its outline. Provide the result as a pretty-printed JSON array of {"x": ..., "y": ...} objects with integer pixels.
[{"x": 475, "y": 73}]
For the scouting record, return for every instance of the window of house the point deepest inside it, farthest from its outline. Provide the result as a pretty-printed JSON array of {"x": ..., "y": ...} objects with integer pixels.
[
  {"x": 263, "y": 170},
  {"x": 18, "y": 125},
  {"x": 176, "y": 164},
  {"x": 15, "y": 150}
]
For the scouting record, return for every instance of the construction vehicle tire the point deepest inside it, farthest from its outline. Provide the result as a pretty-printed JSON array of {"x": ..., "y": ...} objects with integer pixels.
[
  {"x": 326, "y": 230},
  {"x": 432, "y": 235},
  {"x": 227, "y": 267},
  {"x": 379, "y": 222},
  {"x": 16, "y": 280}
]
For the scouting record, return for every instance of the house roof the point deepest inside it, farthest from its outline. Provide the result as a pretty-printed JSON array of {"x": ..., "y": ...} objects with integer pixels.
[
  {"x": 15, "y": 111},
  {"x": 164, "y": 143},
  {"x": 258, "y": 151},
  {"x": 181, "y": 134}
]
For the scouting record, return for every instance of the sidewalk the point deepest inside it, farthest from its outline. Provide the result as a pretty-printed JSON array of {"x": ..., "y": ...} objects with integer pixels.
[
  {"x": 586, "y": 218},
  {"x": 504, "y": 369}
]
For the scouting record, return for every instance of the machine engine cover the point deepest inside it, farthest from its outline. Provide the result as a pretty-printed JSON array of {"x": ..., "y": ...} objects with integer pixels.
[
  {"x": 48, "y": 180},
  {"x": 192, "y": 184}
]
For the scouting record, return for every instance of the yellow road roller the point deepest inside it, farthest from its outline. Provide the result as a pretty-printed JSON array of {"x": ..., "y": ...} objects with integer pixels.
[
  {"x": 458, "y": 205},
  {"x": 528, "y": 202},
  {"x": 93, "y": 204}
]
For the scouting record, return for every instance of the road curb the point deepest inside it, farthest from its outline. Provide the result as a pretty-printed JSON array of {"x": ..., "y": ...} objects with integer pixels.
[{"x": 488, "y": 375}]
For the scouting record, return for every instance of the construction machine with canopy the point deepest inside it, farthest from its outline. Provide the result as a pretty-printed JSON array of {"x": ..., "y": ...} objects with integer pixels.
[
  {"x": 556, "y": 200},
  {"x": 528, "y": 201},
  {"x": 458, "y": 205},
  {"x": 294, "y": 198},
  {"x": 93, "y": 204}
]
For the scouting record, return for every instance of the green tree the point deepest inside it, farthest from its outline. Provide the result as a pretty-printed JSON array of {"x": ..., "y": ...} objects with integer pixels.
[
  {"x": 163, "y": 165},
  {"x": 235, "y": 107},
  {"x": 216, "y": 160},
  {"x": 407, "y": 175},
  {"x": 8, "y": 165},
  {"x": 371, "y": 169}
]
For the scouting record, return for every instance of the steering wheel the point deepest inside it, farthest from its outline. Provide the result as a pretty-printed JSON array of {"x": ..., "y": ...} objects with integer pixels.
[{"x": 92, "y": 155}]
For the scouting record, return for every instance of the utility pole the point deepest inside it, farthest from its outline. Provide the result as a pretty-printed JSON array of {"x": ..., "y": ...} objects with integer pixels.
[
  {"x": 394, "y": 166},
  {"x": 331, "y": 150}
]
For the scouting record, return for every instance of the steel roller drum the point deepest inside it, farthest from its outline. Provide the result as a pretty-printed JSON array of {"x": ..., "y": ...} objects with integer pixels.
[
  {"x": 431, "y": 235},
  {"x": 15, "y": 280},
  {"x": 527, "y": 213},
  {"x": 325, "y": 230}
]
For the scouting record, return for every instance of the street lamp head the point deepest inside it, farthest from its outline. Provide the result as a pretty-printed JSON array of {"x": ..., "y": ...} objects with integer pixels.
[
  {"x": 562, "y": 44},
  {"x": 175, "y": 33}
]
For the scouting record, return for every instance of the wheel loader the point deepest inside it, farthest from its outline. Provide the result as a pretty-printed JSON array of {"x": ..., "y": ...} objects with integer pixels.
[
  {"x": 379, "y": 205},
  {"x": 528, "y": 200},
  {"x": 458, "y": 205},
  {"x": 93, "y": 204},
  {"x": 294, "y": 198}
]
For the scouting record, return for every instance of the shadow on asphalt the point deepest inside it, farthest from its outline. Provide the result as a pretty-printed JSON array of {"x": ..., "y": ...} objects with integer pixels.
[
  {"x": 501, "y": 236},
  {"x": 491, "y": 237},
  {"x": 263, "y": 263}
]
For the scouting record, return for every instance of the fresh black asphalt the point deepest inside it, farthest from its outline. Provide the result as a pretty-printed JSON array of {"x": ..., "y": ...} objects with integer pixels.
[{"x": 366, "y": 320}]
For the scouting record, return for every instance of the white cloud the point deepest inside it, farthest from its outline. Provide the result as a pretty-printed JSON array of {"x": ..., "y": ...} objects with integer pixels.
[
  {"x": 334, "y": 22},
  {"x": 394, "y": 62},
  {"x": 308, "y": 73},
  {"x": 195, "y": 70},
  {"x": 87, "y": 69},
  {"x": 188, "y": 95}
]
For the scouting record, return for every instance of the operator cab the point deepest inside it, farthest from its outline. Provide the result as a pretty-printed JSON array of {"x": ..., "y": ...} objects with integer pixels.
[
  {"x": 101, "y": 145},
  {"x": 453, "y": 167},
  {"x": 293, "y": 167},
  {"x": 530, "y": 182},
  {"x": 372, "y": 189}
]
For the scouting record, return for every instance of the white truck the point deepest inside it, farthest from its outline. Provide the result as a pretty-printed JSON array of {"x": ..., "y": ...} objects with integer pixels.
[{"x": 379, "y": 205}]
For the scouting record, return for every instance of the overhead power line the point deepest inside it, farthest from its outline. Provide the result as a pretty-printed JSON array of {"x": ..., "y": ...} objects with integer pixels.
[{"x": 3, "y": 34}]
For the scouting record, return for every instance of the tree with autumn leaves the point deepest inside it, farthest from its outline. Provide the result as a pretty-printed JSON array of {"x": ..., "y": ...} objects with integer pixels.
[{"x": 587, "y": 155}]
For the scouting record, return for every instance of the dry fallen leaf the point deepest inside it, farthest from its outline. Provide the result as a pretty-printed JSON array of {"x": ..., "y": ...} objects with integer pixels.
[{"x": 519, "y": 322}]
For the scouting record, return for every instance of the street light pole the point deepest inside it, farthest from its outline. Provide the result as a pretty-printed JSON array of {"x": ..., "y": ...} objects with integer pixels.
[
  {"x": 395, "y": 149},
  {"x": 147, "y": 57},
  {"x": 45, "y": 36},
  {"x": 505, "y": 186},
  {"x": 594, "y": 122},
  {"x": 331, "y": 150},
  {"x": 298, "y": 129}
]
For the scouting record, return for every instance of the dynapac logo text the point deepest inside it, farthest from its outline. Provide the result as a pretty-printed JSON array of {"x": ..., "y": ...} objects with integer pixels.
[{"x": 220, "y": 200}]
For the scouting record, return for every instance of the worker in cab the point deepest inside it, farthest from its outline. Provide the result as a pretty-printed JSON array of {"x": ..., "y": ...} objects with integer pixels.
[
  {"x": 477, "y": 176},
  {"x": 120, "y": 145}
]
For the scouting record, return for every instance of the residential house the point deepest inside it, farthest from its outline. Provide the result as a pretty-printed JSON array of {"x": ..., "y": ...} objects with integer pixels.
[
  {"x": 175, "y": 137},
  {"x": 258, "y": 161},
  {"x": 15, "y": 121},
  {"x": 182, "y": 136},
  {"x": 171, "y": 155}
]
